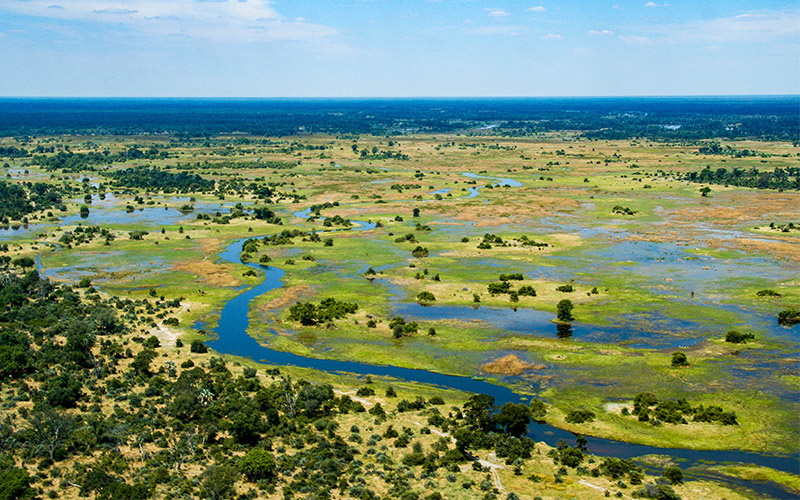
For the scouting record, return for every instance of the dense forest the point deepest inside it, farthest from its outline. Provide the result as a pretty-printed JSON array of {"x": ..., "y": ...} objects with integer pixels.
[
  {"x": 17, "y": 201},
  {"x": 766, "y": 117}
]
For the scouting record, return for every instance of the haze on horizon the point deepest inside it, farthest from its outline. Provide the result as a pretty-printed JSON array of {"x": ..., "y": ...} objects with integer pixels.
[{"x": 382, "y": 48}]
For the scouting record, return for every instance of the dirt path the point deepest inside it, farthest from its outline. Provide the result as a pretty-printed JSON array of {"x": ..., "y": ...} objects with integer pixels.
[
  {"x": 166, "y": 335},
  {"x": 493, "y": 467}
]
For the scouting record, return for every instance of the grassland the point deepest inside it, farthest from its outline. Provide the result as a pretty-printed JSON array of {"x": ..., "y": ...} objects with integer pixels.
[{"x": 676, "y": 274}]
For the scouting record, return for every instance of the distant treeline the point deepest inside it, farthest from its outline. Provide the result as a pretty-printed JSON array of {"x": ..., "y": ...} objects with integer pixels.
[
  {"x": 79, "y": 162},
  {"x": 157, "y": 179},
  {"x": 780, "y": 178},
  {"x": 765, "y": 117}
]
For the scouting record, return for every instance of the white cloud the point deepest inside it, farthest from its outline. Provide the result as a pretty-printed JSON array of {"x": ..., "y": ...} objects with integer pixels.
[
  {"x": 497, "y": 13},
  {"x": 538, "y": 8},
  {"x": 221, "y": 20},
  {"x": 115, "y": 10},
  {"x": 653, "y": 4},
  {"x": 552, "y": 36},
  {"x": 601, "y": 32},
  {"x": 750, "y": 27},
  {"x": 635, "y": 40},
  {"x": 507, "y": 30}
]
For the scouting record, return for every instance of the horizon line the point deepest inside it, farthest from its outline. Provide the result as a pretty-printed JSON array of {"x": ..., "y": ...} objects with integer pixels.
[{"x": 230, "y": 98}]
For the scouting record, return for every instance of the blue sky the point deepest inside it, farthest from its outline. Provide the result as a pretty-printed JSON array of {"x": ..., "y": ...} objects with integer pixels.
[{"x": 392, "y": 48}]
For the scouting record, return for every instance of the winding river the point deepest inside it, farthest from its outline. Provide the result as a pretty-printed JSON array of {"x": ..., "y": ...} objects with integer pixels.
[{"x": 232, "y": 338}]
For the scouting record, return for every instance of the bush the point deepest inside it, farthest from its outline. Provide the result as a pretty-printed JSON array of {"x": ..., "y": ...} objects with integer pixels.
[
  {"x": 198, "y": 347},
  {"x": 151, "y": 342},
  {"x": 580, "y": 416},
  {"x": 679, "y": 359},
  {"x": 219, "y": 480},
  {"x": 426, "y": 297},
  {"x": 258, "y": 464},
  {"x": 735, "y": 337},
  {"x": 420, "y": 252},
  {"x": 673, "y": 474},
  {"x": 565, "y": 288},
  {"x": 789, "y": 317}
]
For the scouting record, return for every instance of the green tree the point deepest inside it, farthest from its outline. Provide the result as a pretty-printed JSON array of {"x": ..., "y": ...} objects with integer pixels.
[
  {"x": 258, "y": 464},
  {"x": 478, "y": 411},
  {"x": 23, "y": 262},
  {"x": 219, "y": 480},
  {"x": 514, "y": 418},
  {"x": 679, "y": 359},
  {"x": 63, "y": 390},
  {"x": 564, "y": 310},
  {"x": 15, "y": 484}
]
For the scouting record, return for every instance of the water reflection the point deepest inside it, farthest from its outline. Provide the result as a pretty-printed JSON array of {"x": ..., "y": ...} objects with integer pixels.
[{"x": 564, "y": 330}]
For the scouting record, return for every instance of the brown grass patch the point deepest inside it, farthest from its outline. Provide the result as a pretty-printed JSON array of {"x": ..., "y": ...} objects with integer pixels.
[
  {"x": 777, "y": 248},
  {"x": 288, "y": 296},
  {"x": 509, "y": 365},
  {"x": 209, "y": 272}
]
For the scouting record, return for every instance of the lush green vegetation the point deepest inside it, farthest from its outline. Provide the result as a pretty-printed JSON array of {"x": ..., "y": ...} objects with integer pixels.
[{"x": 552, "y": 288}]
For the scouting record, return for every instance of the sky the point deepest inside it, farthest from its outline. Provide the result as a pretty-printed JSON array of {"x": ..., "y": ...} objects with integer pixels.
[{"x": 397, "y": 48}]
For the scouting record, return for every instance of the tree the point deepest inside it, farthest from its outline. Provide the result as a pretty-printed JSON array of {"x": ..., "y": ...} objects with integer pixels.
[
  {"x": 50, "y": 430},
  {"x": 679, "y": 359},
  {"x": 704, "y": 191},
  {"x": 304, "y": 312},
  {"x": 141, "y": 363},
  {"x": 15, "y": 484},
  {"x": 416, "y": 212},
  {"x": 537, "y": 409},
  {"x": 64, "y": 391},
  {"x": 564, "y": 310},
  {"x": 426, "y": 297},
  {"x": 198, "y": 347},
  {"x": 23, "y": 262},
  {"x": 219, "y": 480},
  {"x": 514, "y": 418},
  {"x": 258, "y": 464},
  {"x": 478, "y": 411},
  {"x": 420, "y": 252}
]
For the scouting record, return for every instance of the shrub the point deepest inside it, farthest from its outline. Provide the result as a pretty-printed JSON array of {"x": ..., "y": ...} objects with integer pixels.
[
  {"x": 679, "y": 359},
  {"x": 789, "y": 317},
  {"x": 580, "y": 416},
  {"x": 257, "y": 464},
  {"x": 735, "y": 337},
  {"x": 198, "y": 347}
]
